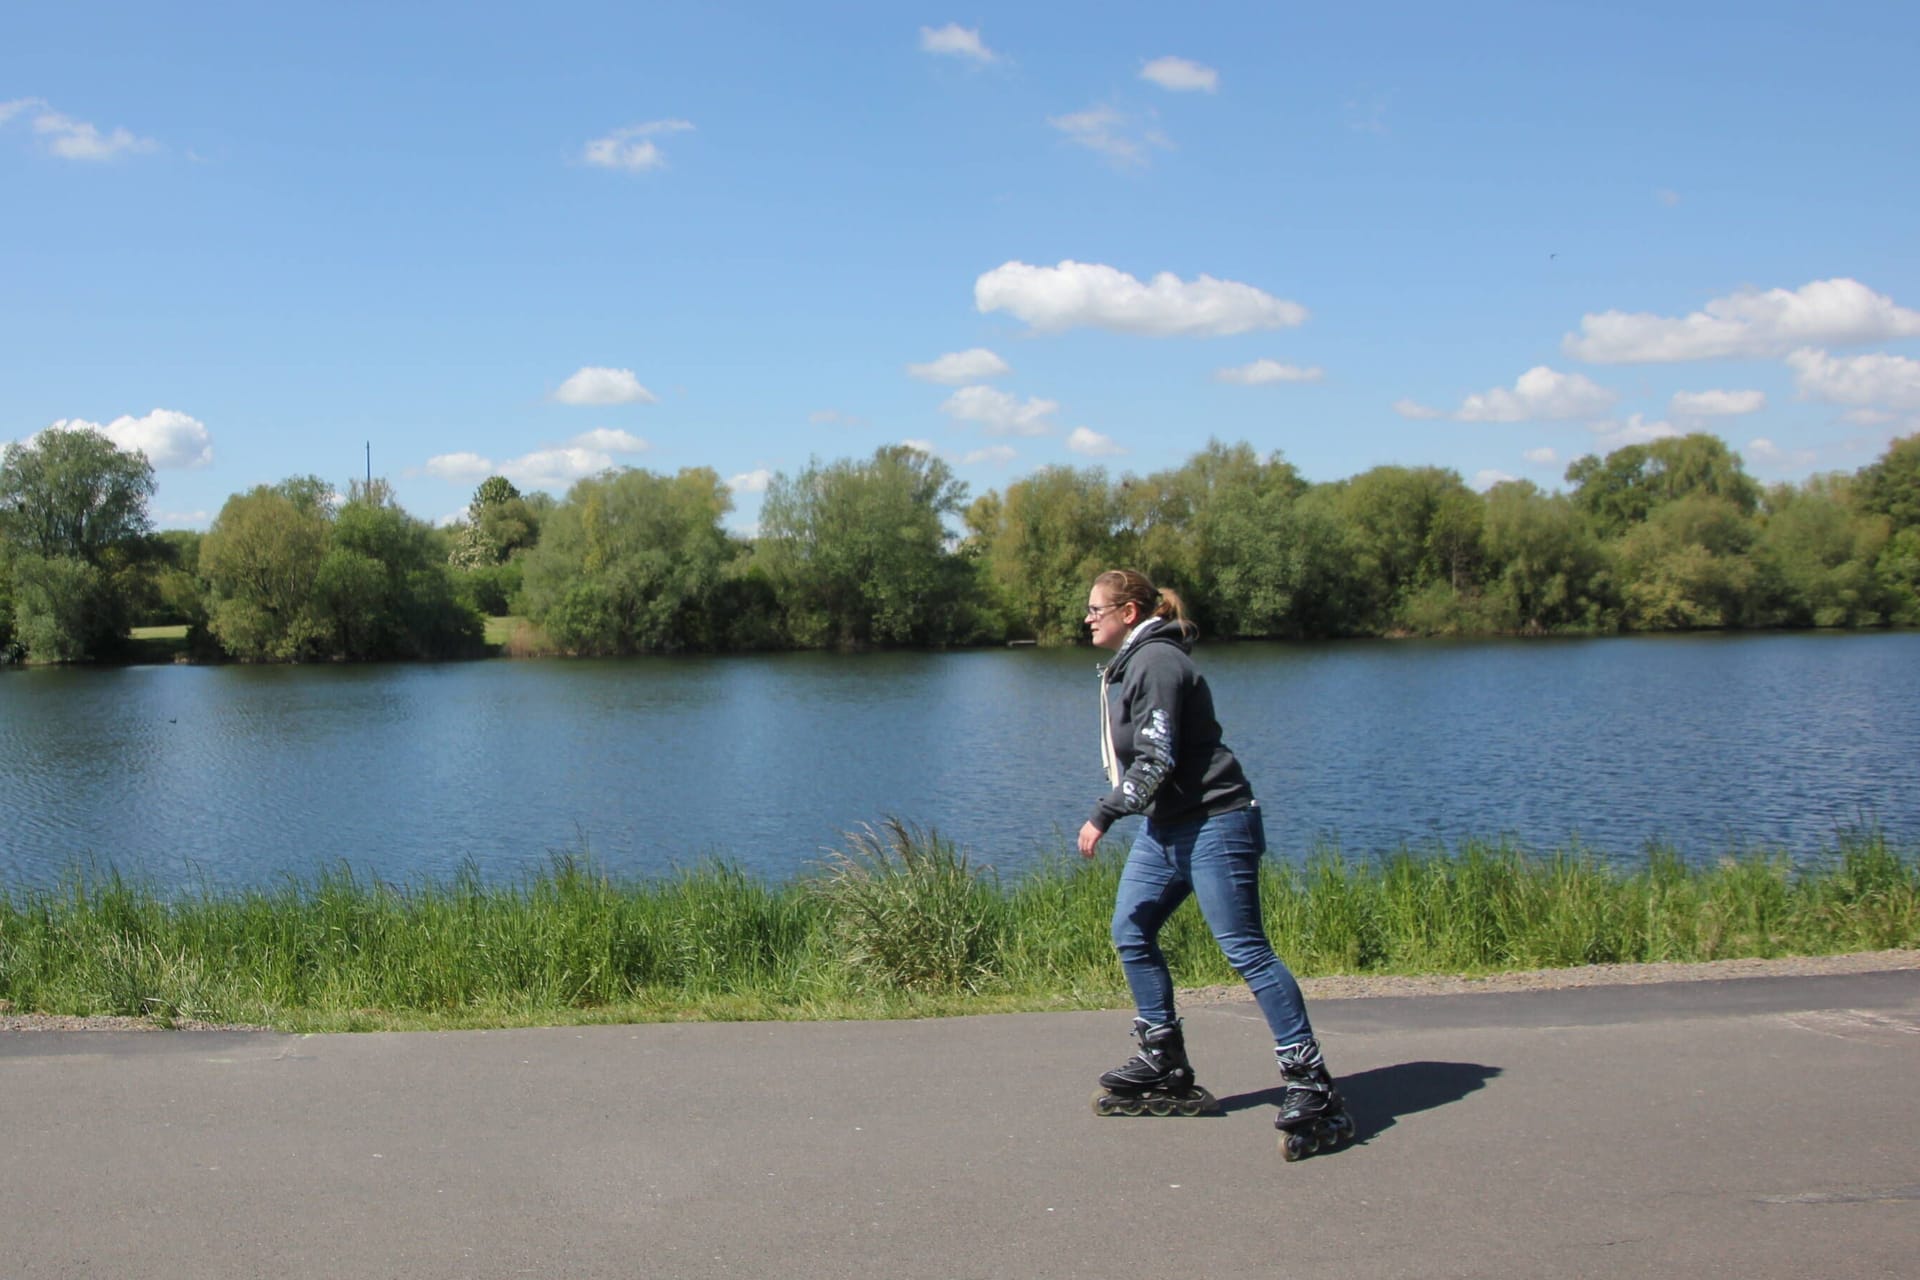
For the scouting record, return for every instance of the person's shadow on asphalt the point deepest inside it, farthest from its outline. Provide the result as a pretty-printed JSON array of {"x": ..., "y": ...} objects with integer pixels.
[{"x": 1377, "y": 1098}]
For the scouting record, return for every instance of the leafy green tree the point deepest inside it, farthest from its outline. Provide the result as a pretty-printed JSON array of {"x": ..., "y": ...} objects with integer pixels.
[
  {"x": 1547, "y": 567},
  {"x": 260, "y": 562},
  {"x": 1409, "y": 528},
  {"x": 858, "y": 551},
  {"x": 500, "y": 524},
  {"x": 1688, "y": 566},
  {"x": 1043, "y": 543},
  {"x": 73, "y": 513},
  {"x": 1891, "y": 486},
  {"x": 1819, "y": 554},
  {"x": 633, "y": 562},
  {"x": 1627, "y": 486}
]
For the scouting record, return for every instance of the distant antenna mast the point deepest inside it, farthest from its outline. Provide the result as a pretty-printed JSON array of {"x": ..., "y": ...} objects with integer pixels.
[{"x": 369, "y": 464}]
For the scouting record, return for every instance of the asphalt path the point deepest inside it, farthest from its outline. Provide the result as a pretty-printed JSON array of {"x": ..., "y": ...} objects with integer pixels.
[{"x": 1752, "y": 1128}]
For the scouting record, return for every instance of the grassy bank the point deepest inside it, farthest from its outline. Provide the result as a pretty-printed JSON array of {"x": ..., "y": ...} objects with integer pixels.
[{"x": 897, "y": 923}]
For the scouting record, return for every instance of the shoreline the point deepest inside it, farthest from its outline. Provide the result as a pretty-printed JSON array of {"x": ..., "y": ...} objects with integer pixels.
[{"x": 1330, "y": 987}]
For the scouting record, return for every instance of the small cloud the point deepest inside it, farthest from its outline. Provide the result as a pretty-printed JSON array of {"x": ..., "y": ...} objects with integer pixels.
[
  {"x": 1090, "y": 295},
  {"x": 1773, "y": 456},
  {"x": 960, "y": 366},
  {"x": 593, "y": 385},
  {"x": 1485, "y": 480},
  {"x": 924, "y": 446},
  {"x": 755, "y": 481},
  {"x": 1542, "y": 457},
  {"x": 956, "y": 41},
  {"x": 1667, "y": 197},
  {"x": 73, "y": 139},
  {"x": 171, "y": 441},
  {"x": 998, "y": 455},
  {"x": 1367, "y": 115},
  {"x": 1112, "y": 134},
  {"x": 1750, "y": 324},
  {"x": 999, "y": 413},
  {"x": 1181, "y": 75},
  {"x": 1407, "y": 408},
  {"x": 834, "y": 418},
  {"x": 1089, "y": 443},
  {"x": 460, "y": 468},
  {"x": 551, "y": 469},
  {"x": 1861, "y": 382},
  {"x": 1635, "y": 430},
  {"x": 183, "y": 519},
  {"x": 608, "y": 440},
  {"x": 1715, "y": 404},
  {"x": 1538, "y": 395},
  {"x": 632, "y": 148},
  {"x": 1262, "y": 372}
]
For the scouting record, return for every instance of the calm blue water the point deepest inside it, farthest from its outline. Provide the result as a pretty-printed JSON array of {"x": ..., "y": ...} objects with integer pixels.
[{"x": 246, "y": 775}]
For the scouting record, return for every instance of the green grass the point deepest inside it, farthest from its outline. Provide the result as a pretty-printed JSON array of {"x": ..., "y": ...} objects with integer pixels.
[
  {"x": 500, "y": 630},
  {"x": 898, "y": 923}
]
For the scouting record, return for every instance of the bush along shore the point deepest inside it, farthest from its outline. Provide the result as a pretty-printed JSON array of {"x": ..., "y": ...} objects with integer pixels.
[{"x": 897, "y": 922}]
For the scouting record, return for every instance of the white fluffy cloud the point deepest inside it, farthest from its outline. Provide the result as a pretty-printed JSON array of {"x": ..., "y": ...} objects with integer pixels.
[
  {"x": 994, "y": 455},
  {"x": 1870, "y": 382},
  {"x": 1542, "y": 457},
  {"x": 73, "y": 139},
  {"x": 597, "y": 386},
  {"x": 1716, "y": 404},
  {"x": 1117, "y": 136},
  {"x": 835, "y": 418},
  {"x": 1485, "y": 480},
  {"x": 755, "y": 481},
  {"x": 172, "y": 441},
  {"x": 1751, "y": 324},
  {"x": 554, "y": 469},
  {"x": 956, "y": 41},
  {"x": 999, "y": 413},
  {"x": 1091, "y": 295},
  {"x": 460, "y": 468},
  {"x": 632, "y": 148},
  {"x": 1262, "y": 372},
  {"x": 1635, "y": 430},
  {"x": 957, "y": 367},
  {"x": 1538, "y": 395},
  {"x": 1181, "y": 75},
  {"x": 608, "y": 440},
  {"x": 1089, "y": 443}
]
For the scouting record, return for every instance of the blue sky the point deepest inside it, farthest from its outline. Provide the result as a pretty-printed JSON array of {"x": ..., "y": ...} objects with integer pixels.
[{"x": 542, "y": 240}]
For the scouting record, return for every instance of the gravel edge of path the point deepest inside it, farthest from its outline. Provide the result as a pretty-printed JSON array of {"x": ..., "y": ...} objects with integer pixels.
[{"x": 1328, "y": 988}]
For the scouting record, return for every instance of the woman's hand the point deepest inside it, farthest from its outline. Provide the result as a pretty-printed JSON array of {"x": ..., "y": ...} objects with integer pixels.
[{"x": 1089, "y": 837}]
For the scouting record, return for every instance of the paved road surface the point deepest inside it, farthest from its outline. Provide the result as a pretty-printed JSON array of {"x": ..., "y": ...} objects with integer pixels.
[{"x": 1750, "y": 1128}]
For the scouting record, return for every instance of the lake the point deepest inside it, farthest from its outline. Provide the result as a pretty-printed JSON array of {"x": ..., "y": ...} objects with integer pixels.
[{"x": 231, "y": 776}]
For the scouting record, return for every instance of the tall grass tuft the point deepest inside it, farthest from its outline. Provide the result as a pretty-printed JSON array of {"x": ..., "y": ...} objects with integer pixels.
[
  {"x": 910, "y": 913},
  {"x": 899, "y": 920}
]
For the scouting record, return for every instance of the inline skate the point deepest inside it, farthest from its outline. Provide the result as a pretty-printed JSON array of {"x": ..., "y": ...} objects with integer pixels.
[
  {"x": 1156, "y": 1081},
  {"x": 1313, "y": 1116}
]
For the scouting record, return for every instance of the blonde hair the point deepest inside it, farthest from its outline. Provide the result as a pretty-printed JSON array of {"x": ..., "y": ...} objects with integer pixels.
[{"x": 1130, "y": 586}]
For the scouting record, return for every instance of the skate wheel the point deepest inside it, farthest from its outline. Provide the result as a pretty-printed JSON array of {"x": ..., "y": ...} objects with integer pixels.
[
  {"x": 1292, "y": 1147},
  {"x": 1160, "y": 1107},
  {"x": 1102, "y": 1105}
]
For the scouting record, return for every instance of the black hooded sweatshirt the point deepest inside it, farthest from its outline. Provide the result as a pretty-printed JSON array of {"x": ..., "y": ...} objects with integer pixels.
[{"x": 1166, "y": 743}]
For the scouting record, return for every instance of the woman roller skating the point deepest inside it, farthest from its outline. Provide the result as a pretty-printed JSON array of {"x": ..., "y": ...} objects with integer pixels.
[{"x": 1202, "y": 836}]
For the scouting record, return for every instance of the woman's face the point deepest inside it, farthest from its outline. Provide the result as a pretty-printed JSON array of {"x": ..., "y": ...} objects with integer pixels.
[{"x": 1110, "y": 622}]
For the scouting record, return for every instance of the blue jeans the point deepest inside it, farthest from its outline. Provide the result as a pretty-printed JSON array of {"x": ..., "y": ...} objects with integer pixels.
[{"x": 1216, "y": 859}]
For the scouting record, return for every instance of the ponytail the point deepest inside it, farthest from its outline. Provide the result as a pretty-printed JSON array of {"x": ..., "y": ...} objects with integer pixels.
[{"x": 1130, "y": 586}]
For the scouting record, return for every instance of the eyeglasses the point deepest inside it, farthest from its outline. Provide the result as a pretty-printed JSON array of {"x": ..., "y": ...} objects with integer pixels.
[{"x": 1097, "y": 611}]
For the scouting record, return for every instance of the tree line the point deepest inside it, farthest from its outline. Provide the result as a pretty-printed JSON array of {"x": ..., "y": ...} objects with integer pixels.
[{"x": 891, "y": 550}]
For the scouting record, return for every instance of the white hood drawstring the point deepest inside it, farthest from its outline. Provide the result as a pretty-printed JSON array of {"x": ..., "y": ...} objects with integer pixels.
[{"x": 1109, "y": 760}]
